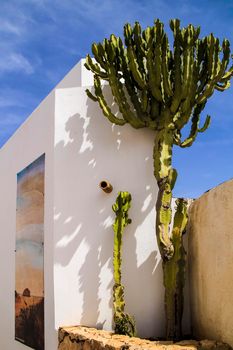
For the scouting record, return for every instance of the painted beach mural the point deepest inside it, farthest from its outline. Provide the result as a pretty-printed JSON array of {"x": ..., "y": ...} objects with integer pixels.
[{"x": 29, "y": 256}]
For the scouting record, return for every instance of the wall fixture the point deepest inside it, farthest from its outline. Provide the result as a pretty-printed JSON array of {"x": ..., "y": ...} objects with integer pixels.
[{"x": 105, "y": 186}]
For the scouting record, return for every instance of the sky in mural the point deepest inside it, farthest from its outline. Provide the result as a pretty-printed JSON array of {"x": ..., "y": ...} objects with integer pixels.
[
  {"x": 41, "y": 40},
  {"x": 30, "y": 229}
]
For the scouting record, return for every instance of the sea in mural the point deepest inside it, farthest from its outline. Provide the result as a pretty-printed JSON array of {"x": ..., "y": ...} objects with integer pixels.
[{"x": 29, "y": 256}]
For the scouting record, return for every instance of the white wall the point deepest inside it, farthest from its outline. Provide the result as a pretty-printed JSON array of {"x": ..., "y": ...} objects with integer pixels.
[
  {"x": 89, "y": 149},
  {"x": 82, "y": 148},
  {"x": 32, "y": 139}
]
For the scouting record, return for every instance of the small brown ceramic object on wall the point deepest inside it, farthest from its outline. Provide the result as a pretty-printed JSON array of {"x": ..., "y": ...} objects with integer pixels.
[{"x": 105, "y": 186}]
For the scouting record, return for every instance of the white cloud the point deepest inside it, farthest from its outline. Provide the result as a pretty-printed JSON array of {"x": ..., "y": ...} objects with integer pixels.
[
  {"x": 13, "y": 62},
  {"x": 8, "y": 27},
  {"x": 14, "y": 33}
]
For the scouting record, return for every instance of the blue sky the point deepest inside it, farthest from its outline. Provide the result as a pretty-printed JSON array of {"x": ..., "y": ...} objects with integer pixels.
[{"x": 41, "y": 40}]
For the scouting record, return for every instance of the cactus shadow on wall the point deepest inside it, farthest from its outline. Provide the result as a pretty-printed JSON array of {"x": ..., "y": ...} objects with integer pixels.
[{"x": 93, "y": 150}]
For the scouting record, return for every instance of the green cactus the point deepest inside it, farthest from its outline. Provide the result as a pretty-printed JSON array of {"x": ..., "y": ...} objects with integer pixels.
[
  {"x": 124, "y": 323},
  {"x": 162, "y": 89},
  {"x": 174, "y": 272}
]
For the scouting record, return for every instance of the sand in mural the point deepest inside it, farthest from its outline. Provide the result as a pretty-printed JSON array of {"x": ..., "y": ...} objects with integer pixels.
[{"x": 29, "y": 256}]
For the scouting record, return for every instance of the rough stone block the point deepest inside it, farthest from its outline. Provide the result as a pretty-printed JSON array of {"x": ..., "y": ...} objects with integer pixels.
[{"x": 84, "y": 338}]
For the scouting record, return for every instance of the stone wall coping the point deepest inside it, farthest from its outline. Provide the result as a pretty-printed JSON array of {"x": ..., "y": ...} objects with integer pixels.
[{"x": 85, "y": 338}]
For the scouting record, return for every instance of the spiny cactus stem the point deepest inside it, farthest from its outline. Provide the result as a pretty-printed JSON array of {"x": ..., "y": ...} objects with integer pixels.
[
  {"x": 170, "y": 245},
  {"x": 124, "y": 323},
  {"x": 118, "y": 250},
  {"x": 174, "y": 274},
  {"x": 163, "y": 219},
  {"x": 163, "y": 172}
]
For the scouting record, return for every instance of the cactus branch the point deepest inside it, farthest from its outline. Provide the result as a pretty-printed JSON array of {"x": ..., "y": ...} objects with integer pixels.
[
  {"x": 103, "y": 104},
  {"x": 124, "y": 323}
]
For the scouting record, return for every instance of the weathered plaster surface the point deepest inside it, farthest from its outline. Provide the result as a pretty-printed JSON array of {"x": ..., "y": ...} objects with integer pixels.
[{"x": 211, "y": 263}]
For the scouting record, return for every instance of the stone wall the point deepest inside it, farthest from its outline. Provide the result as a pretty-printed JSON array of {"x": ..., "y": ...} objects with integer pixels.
[
  {"x": 83, "y": 338},
  {"x": 211, "y": 264}
]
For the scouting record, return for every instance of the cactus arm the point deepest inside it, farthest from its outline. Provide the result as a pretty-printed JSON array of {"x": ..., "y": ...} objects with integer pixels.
[
  {"x": 117, "y": 86},
  {"x": 140, "y": 98},
  {"x": 208, "y": 91},
  {"x": 212, "y": 59},
  {"x": 133, "y": 64},
  {"x": 203, "y": 79},
  {"x": 124, "y": 323},
  {"x": 91, "y": 96},
  {"x": 187, "y": 65},
  {"x": 140, "y": 104},
  {"x": 210, "y": 63},
  {"x": 151, "y": 68},
  {"x": 195, "y": 130},
  {"x": 128, "y": 80},
  {"x": 120, "y": 208},
  {"x": 202, "y": 65},
  {"x": 175, "y": 26},
  {"x": 139, "y": 48},
  {"x": 95, "y": 68},
  {"x": 190, "y": 77},
  {"x": 133, "y": 93},
  {"x": 103, "y": 104},
  {"x": 222, "y": 87},
  {"x": 225, "y": 59},
  {"x": 156, "y": 93},
  {"x": 209, "y": 60},
  {"x": 100, "y": 56},
  {"x": 121, "y": 99},
  {"x": 177, "y": 137},
  {"x": 206, "y": 124},
  {"x": 159, "y": 34},
  {"x": 227, "y": 75},
  {"x": 165, "y": 70}
]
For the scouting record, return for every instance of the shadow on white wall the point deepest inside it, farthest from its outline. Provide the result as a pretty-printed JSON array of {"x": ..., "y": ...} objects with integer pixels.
[{"x": 93, "y": 150}]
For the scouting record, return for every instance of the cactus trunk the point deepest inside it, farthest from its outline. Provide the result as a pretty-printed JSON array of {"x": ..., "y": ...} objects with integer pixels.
[
  {"x": 166, "y": 177},
  {"x": 174, "y": 279},
  {"x": 170, "y": 245},
  {"x": 124, "y": 323},
  {"x": 174, "y": 275}
]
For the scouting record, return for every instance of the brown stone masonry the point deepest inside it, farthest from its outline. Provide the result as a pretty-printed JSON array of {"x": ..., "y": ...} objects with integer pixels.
[{"x": 84, "y": 338}]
